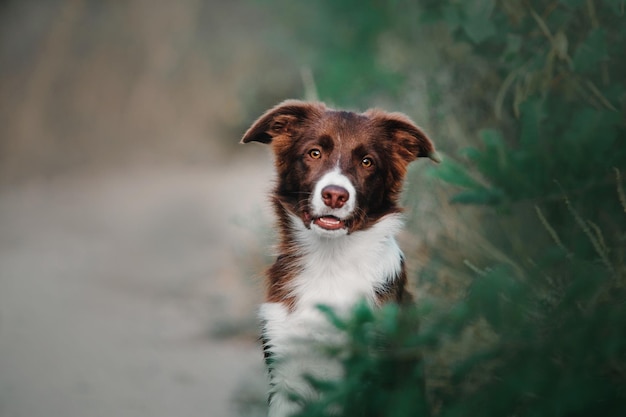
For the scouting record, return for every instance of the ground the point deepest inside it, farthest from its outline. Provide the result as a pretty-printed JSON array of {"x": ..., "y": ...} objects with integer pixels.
[
  {"x": 111, "y": 285},
  {"x": 133, "y": 229}
]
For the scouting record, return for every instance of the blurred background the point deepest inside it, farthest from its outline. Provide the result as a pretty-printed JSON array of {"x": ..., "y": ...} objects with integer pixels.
[
  {"x": 134, "y": 228},
  {"x": 129, "y": 213}
]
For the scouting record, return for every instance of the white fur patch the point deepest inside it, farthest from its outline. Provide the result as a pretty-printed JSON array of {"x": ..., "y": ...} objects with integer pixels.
[
  {"x": 295, "y": 341},
  {"x": 338, "y": 272},
  {"x": 334, "y": 177}
]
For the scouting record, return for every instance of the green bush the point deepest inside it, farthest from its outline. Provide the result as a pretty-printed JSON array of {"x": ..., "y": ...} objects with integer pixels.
[{"x": 530, "y": 315}]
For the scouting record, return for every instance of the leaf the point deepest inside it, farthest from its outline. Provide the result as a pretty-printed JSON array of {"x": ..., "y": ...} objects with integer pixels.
[
  {"x": 362, "y": 313},
  {"x": 591, "y": 51},
  {"x": 332, "y": 317},
  {"x": 389, "y": 318}
]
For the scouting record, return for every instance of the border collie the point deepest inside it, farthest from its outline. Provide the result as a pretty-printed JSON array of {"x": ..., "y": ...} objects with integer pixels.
[{"x": 339, "y": 176}]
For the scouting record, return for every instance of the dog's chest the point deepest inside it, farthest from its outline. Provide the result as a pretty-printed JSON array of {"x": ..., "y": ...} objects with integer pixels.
[
  {"x": 339, "y": 271},
  {"x": 336, "y": 273}
]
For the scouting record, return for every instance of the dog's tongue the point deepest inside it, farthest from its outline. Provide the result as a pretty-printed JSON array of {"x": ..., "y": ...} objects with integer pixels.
[{"x": 329, "y": 223}]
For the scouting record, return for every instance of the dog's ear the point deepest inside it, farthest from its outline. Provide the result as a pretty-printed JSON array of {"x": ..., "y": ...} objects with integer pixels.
[
  {"x": 411, "y": 141},
  {"x": 284, "y": 119}
]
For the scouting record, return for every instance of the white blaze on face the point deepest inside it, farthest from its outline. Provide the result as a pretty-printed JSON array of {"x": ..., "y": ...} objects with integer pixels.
[{"x": 327, "y": 215}]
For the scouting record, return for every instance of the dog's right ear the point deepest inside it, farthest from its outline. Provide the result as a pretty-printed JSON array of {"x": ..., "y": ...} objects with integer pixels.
[{"x": 284, "y": 119}]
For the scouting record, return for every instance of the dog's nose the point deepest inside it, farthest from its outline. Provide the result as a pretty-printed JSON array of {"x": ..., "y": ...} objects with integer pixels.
[{"x": 335, "y": 196}]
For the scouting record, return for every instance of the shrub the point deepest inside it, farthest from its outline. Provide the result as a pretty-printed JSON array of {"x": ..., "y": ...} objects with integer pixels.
[{"x": 536, "y": 90}]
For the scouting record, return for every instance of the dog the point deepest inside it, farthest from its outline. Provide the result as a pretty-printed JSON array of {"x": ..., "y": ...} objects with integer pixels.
[{"x": 339, "y": 177}]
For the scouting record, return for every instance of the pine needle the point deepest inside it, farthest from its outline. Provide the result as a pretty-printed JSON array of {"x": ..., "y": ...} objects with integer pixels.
[
  {"x": 585, "y": 228},
  {"x": 551, "y": 231},
  {"x": 474, "y": 268},
  {"x": 308, "y": 81},
  {"x": 598, "y": 233}
]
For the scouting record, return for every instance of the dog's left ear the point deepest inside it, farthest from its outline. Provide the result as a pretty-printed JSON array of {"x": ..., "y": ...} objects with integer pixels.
[
  {"x": 284, "y": 119},
  {"x": 411, "y": 141}
]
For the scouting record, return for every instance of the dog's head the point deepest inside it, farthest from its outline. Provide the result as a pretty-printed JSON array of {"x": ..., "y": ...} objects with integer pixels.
[{"x": 339, "y": 171}]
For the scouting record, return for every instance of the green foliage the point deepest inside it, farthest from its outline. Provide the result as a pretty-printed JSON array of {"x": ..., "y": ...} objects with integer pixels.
[
  {"x": 384, "y": 371},
  {"x": 538, "y": 92},
  {"x": 344, "y": 34}
]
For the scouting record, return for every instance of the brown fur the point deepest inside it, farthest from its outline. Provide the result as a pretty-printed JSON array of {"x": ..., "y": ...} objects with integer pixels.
[{"x": 293, "y": 128}]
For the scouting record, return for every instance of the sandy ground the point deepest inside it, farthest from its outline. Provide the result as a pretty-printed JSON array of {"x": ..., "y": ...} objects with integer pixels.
[{"x": 110, "y": 285}]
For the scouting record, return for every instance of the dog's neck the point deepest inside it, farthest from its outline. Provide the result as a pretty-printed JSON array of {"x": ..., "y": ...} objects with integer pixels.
[{"x": 338, "y": 271}]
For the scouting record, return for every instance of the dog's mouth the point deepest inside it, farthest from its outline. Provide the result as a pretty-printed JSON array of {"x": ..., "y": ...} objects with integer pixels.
[
  {"x": 329, "y": 223},
  {"x": 325, "y": 222}
]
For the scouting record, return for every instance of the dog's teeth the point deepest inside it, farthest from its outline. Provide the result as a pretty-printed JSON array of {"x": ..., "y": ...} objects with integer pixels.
[{"x": 329, "y": 222}]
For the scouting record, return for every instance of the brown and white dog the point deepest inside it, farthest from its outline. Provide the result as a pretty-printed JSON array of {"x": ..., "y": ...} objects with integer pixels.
[{"x": 339, "y": 176}]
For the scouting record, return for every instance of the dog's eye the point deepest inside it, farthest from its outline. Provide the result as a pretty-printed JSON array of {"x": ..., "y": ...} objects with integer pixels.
[
  {"x": 367, "y": 162},
  {"x": 315, "y": 153}
]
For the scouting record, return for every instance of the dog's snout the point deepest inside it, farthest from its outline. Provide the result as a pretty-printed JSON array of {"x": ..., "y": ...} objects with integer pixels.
[{"x": 335, "y": 196}]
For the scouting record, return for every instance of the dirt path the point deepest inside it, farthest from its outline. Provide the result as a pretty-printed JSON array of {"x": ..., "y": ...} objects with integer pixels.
[{"x": 110, "y": 284}]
